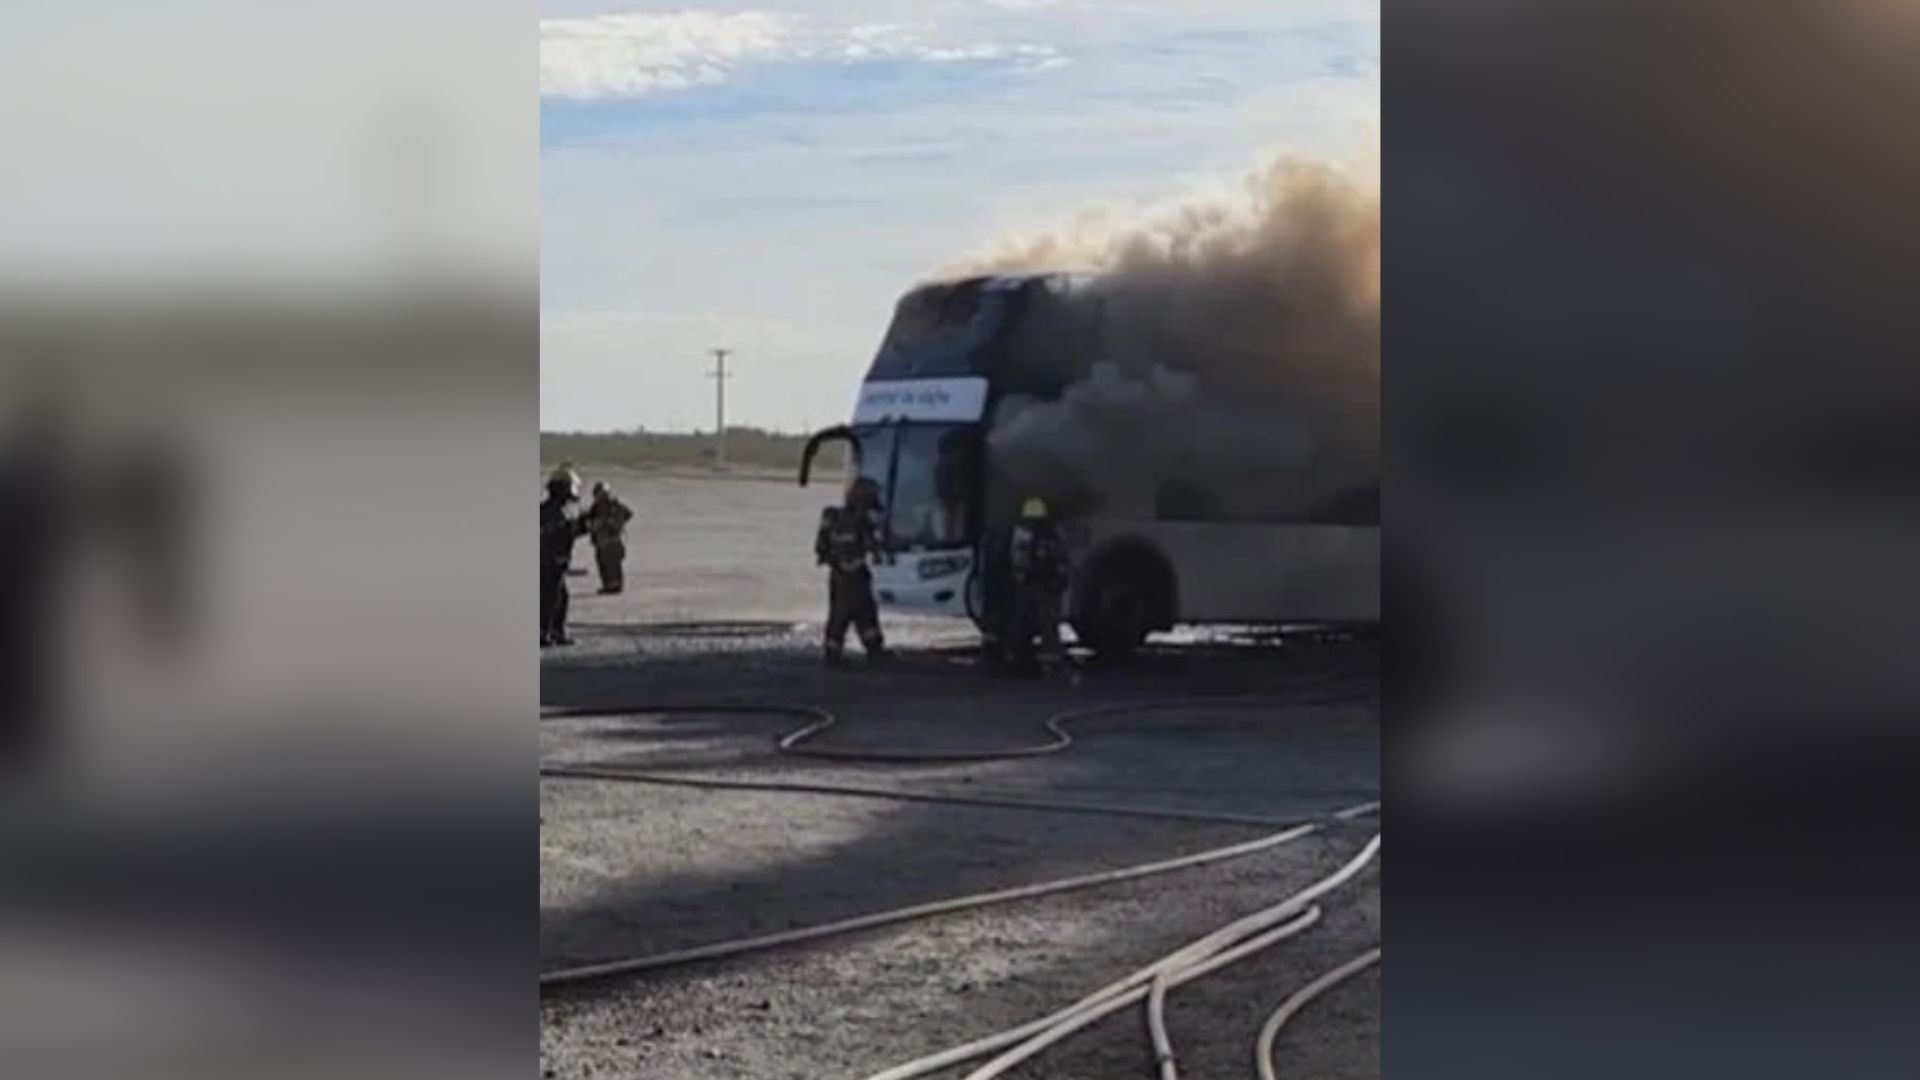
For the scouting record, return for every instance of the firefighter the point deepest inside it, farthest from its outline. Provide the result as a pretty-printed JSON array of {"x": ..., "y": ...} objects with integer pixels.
[
  {"x": 1038, "y": 566},
  {"x": 607, "y": 519},
  {"x": 849, "y": 536},
  {"x": 559, "y": 528}
]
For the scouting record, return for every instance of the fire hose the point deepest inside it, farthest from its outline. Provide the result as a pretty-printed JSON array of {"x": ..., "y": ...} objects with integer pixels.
[
  {"x": 740, "y": 946},
  {"x": 1150, "y": 984},
  {"x": 1263, "y": 1047},
  {"x": 1236, "y": 940},
  {"x": 818, "y": 721}
]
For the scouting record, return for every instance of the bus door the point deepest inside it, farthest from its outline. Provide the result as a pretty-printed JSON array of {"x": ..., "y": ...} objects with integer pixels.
[{"x": 870, "y": 455}]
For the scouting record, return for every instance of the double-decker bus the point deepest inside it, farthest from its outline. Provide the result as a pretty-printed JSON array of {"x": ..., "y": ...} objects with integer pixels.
[{"x": 923, "y": 429}]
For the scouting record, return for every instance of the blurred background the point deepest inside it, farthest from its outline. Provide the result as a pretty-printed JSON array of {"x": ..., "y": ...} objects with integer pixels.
[
  {"x": 1653, "y": 377},
  {"x": 268, "y": 375},
  {"x": 268, "y": 395},
  {"x": 1650, "y": 435}
]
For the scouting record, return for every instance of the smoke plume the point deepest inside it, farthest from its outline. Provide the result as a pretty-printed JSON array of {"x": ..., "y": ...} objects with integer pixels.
[{"x": 1235, "y": 361}]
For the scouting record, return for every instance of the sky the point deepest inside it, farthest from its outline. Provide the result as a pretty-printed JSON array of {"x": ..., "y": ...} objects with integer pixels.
[{"x": 769, "y": 177}]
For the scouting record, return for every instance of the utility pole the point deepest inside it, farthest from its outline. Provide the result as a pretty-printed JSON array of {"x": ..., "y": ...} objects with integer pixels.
[{"x": 719, "y": 376}]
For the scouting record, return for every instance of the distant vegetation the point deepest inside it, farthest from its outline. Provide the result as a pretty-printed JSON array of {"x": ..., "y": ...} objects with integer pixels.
[{"x": 746, "y": 447}]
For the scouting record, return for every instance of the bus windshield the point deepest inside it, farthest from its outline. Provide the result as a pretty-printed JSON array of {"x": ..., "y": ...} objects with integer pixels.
[
  {"x": 941, "y": 332},
  {"x": 926, "y": 474}
]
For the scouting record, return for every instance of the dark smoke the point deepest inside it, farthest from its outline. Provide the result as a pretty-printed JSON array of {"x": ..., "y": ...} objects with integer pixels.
[{"x": 1236, "y": 370}]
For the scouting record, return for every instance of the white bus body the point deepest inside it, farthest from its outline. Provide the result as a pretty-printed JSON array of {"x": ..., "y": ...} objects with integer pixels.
[{"x": 1214, "y": 572}]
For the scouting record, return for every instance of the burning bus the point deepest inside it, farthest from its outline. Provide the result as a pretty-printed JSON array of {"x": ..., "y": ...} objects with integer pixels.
[{"x": 1188, "y": 495}]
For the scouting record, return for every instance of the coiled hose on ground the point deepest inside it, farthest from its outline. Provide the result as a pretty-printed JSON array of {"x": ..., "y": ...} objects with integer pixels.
[
  {"x": 1150, "y": 984},
  {"x": 1238, "y": 939},
  {"x": 817, "y": 721},
  {"x": 1263, "y": 1047}
]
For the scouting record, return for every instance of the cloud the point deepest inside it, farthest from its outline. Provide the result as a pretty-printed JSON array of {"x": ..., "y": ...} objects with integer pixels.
[
  {"x": 782, "y": 212},
  {"x": 633, "y": 55},
  {"x": 890, "y": 41}
]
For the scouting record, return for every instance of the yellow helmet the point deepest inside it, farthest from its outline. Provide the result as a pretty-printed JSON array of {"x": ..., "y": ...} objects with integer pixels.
[
  {"x": 1033, "y": 508},
  {"x": 565, "y": 478}
]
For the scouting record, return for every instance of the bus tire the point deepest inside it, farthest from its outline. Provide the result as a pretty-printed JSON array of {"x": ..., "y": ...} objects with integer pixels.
[{"x": 1125, "y": 594}]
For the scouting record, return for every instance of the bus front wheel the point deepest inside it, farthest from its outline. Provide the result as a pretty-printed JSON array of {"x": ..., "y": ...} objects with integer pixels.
[{"x": 1119, "y": 603}]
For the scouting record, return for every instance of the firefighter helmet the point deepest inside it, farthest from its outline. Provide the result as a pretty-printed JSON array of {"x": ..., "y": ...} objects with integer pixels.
[{"x": 564, "y": 481}]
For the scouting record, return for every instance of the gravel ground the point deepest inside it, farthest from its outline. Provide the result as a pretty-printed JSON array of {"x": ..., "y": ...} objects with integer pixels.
[{"x": 631, "y": 869}]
